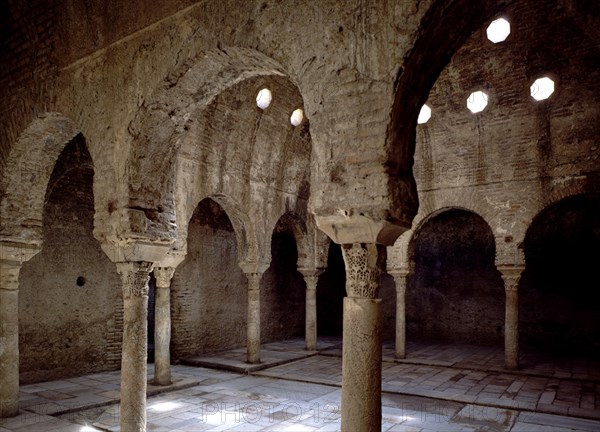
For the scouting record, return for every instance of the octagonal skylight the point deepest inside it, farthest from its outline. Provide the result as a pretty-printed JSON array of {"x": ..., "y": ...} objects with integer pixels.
[
  {"x": 477, "y": 101},
  {"x": 263, "y": 99},
  {"x": 542, "y": 88},
  {"x": 424, "y": 114},
  {"x": 297, "y": 117},
  {"x": 498, "y": 30}
]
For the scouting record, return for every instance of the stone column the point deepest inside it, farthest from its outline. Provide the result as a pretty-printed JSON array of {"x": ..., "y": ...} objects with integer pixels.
[
  {"x": 253, "y": 323},
  {"x": 11, "y": 258},
  {"x": 400, "y": 277},
  {"x": 135, "y": 276},
  {"x": 310, "y": 325},
  {"x": 511, "y": 277},
  {"x": 162, "y": 325},
  {"x": 361, "y": 356}
]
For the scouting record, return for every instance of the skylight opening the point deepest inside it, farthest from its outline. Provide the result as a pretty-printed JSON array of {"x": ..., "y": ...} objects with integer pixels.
[
  {"x": 297, "y": 117},
  {"x": 542, "y": 88},
  {"x": 263, "y": 99},
  {"x": 477, "y": 101},
  {"x": 498, "y": 30},
  {"x": 424, "y": 114}
]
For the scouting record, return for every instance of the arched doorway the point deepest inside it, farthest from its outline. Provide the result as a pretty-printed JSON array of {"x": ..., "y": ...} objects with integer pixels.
[
  {"x": 208, "y": 291},
  {"x": 559, "y": 287},
  {"x": 70, "y": 304},
  {"x": 282, "y": 289},
  {"x": 455, "y": 294}
]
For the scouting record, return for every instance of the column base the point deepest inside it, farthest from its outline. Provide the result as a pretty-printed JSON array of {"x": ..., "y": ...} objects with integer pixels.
[{"x": 9, "y": 408}]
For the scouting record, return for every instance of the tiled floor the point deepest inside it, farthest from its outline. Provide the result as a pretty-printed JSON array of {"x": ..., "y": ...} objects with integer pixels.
[{"x": 434, "y": 389}]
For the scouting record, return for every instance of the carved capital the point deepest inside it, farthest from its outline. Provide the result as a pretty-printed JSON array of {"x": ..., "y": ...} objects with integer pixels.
[
  {"x": 362, "y": 271},
  {"x": 135, "y": 276},
  {"x": 253, "y": 280},
  {"x": 311, "y": 282},
  {"x": 253, "y": 267},
  {"x": 511, "y": 276},
  {"x": 311, "y": 277},
  {"x": 163, "y": 276},
  {"x": 400, "y": 276}
]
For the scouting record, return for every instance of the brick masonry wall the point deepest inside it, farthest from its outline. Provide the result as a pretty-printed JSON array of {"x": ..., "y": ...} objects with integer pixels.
[
  {"x": 208, "y": 291},
  {"x": 518, "y": 155}
]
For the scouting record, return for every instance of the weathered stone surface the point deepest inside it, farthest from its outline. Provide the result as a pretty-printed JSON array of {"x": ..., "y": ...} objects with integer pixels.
[
  {"x": 135, "y": 278},
  {"x": 361, "y": 365}
]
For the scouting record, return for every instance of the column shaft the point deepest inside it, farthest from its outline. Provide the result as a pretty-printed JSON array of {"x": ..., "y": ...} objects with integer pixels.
[
  {"x": 135, "y": 345},
  {"x": 511, "y": 277},
  {"x": 253, "y": 325},
  {"x": 9, "y": 340},
  {"x": 310, "y": 323},
  {"x": 361, "y": 365},
  {"x": 511, "y": 330},
  {"x": 162, "y": 325},
  {"x": 310, "y": 326},
  {"x": 361, "y": 356},
  {"x": 400, "y": 315}
]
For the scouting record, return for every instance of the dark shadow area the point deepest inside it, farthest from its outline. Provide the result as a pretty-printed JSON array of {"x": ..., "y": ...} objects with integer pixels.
[
  {"x": 331, "y": 290},
  {"x": 560, "y": 288},
  {"x": 282, "y": 289}
]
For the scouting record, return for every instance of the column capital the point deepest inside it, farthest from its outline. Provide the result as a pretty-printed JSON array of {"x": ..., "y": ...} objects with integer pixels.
[
  {"x": 135, "y": 276},
  {"x": 311, "y": 277},
  {"x": 399, "y": 272},
  {"x": 511, "y": 276},
  {"x": 163, "y": 276},
  {"x": 311, "y": 272},
  {"x": 253, "y": 267},
  {"x": 362, "y": 272},
  {"x": 400, "y": 276}
]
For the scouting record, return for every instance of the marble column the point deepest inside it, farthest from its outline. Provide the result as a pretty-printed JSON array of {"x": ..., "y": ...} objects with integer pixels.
[
  {"x": 310, "y": 326},
  {"x": 253, "y": 323},
  {"x": 11, "y": 258},
  {"x": 135, "y": 276},
  {"x": 162, "y": 325},
  {"x": 361, "y": 356},
  {"x": 400, "y": 277},
  {"x": 511, "y": 277}
]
